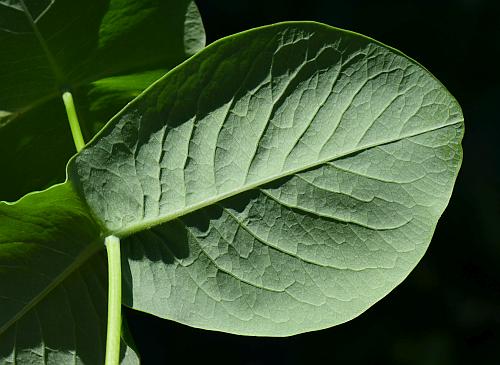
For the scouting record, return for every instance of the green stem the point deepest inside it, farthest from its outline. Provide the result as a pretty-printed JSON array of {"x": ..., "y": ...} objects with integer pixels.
[
  {"x": 114, "y": 301},
  {"x": 73, "y": 120},
  {"x": 112, "y": 243}
]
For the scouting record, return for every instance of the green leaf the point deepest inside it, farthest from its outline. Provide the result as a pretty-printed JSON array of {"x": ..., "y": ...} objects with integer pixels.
[
  {"x": 112, "y": 93},
  {"x": 282, "y": 180},
  {"x": 85, "y": 46},
  {"x": 53, "y": 282}
]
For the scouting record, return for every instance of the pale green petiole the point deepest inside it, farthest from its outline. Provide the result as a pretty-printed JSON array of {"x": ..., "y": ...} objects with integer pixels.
[
  {"x": 114, "y": 300},
  {"x": 73, "y": 120},
  {"x": 112, "y": 244}
]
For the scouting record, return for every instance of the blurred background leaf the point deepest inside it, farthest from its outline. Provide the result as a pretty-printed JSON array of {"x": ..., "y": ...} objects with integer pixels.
[{"x": 105, "y": 52}]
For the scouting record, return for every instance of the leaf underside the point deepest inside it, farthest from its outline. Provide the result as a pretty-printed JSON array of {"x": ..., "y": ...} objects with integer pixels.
[{"x": 280, "y": 181}]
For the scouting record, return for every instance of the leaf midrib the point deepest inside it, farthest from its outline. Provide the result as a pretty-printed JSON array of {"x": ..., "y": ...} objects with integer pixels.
[{"x": 149, "y": 223}]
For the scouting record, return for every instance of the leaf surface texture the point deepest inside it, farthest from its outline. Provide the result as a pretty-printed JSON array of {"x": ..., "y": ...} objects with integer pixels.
[{"x": 280, "y": 181}]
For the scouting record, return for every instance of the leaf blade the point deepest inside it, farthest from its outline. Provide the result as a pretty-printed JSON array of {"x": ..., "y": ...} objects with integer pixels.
[{"x": 282, "y": 180}]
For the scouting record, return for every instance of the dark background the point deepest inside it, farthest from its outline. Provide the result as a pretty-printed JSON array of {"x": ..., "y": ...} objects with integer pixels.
[{"x": 448, "y": 310}]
